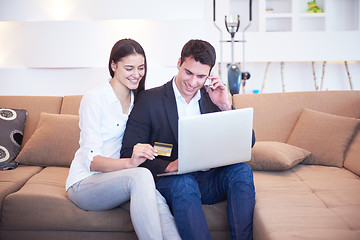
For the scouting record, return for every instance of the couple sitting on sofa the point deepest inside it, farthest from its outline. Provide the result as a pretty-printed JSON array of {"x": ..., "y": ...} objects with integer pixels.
[{"x": 98, "y": 180}]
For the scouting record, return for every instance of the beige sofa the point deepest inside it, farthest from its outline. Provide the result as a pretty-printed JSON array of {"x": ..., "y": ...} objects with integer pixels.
[{"x": 298, "y": 196}]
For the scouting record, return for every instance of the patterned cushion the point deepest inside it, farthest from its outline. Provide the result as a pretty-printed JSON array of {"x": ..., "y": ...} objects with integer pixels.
[{"x": 12, "y": 123}]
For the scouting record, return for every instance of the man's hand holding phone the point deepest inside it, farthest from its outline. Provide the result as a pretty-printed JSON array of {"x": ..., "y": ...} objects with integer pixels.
[{"x": 218, "y": 93}]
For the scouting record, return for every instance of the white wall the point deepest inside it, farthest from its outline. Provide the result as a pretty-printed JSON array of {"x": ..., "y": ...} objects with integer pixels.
[{"x": 61, "y": 47}]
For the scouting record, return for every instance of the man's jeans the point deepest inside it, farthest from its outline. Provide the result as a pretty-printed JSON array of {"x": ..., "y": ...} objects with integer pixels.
[{"x": 186, "y": 193}]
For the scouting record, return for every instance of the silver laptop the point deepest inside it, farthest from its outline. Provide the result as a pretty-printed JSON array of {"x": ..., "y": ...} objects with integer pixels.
[{"x": 214, "y": 140}]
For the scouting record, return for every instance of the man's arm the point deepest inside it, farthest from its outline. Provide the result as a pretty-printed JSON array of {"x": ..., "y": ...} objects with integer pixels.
[
  {"x": 138, "y": 130},
  {"x": 221, "y": 98}
]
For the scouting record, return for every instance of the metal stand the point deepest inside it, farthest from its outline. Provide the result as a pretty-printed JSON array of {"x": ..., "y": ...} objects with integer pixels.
[
  {"x": 234, "y": 71},
  {"x": 236, "y": 77}
]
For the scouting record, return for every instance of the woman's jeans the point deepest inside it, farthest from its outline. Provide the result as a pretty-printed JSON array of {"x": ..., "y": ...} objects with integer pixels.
[
  {"x": 149, "y": 212},
  {"x": 186, "y": 193}
]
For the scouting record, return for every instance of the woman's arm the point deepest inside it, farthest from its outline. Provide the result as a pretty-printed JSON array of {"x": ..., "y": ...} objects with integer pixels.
[{"x": 141, "y": 153}]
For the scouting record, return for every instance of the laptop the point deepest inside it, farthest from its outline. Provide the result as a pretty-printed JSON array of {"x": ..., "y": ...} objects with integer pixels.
[{"x": 213, "y": 140}]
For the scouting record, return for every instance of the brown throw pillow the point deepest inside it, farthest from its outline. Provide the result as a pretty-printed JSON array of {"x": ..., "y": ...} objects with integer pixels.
[
  {"x": 54, "y": 142},
  {"x": 352, "y": 157},
  {"x": 325, "y": 135},
  {"x": 276, "y": 156}
]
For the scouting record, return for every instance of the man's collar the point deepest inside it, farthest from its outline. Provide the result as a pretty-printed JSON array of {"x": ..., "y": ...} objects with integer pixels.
[{"x": 177, "y": 93}]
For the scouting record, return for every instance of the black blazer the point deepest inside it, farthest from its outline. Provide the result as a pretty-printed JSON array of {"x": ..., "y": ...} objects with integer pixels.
[{"x": 154, "y": 118}]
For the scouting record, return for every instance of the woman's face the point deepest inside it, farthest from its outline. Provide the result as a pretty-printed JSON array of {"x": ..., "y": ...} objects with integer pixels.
[{"x": 129, "y": 70}]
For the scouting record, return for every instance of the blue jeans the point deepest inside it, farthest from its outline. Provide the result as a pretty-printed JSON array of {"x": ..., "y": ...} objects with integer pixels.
[{"x": 186, "y": 193}]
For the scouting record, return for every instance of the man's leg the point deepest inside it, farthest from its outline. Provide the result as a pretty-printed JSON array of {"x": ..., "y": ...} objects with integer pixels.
[
  {"x": 234, "y": 183},
  {"x": 183, "y": 195},
  {"x": 241, "y": 200}
]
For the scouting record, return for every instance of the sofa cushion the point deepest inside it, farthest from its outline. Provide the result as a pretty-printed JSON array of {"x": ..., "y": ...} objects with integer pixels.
[
  {"x": 307, "y": 202},
  {"x": 325, "y": 135},
  {"x": 43, "y": 205},
  {"x": 317, "y": 172},
  {"x": 12, "y": 123},
  {"x": 53, "y": 143},
  {"x": 300, "y": 223},
  {"x": 351, "y": 216},
  {"x": 352, "y": 157},
  {"x": 276, "y": 156},
  {"x": 11, "y": 181},
  {"x": 216, "y": 216}
]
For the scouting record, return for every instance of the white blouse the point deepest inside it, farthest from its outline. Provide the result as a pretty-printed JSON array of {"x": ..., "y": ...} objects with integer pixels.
[{"x": 102, "y": 124}]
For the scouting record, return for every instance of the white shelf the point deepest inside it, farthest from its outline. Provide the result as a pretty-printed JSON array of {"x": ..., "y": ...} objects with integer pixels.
[
  {"x": 278, "y": 15},
  {"x": 289, "y": 33},
  {"x": 312, "y": 15},
  {"x": 292, "y": 15}
]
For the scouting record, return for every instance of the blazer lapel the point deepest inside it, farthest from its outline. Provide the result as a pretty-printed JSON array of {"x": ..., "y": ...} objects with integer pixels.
[{"x": 171, "y": 108}]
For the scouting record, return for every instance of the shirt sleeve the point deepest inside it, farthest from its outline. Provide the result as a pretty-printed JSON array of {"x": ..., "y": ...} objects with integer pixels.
[{"x": 90, "y": 124}]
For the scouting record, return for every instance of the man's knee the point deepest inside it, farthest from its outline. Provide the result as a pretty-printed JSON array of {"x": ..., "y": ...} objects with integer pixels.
[
  {"x": 240, "y": 172},
  {"x": 183, "y": 187},
  {"x": 185, "y": 182}
]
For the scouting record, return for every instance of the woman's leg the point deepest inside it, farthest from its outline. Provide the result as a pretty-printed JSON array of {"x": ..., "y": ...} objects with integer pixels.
[
  {"x": 105, "y": 191},
  {"x": 143, "y": 206},
  {"x": 168, "y": 225}
]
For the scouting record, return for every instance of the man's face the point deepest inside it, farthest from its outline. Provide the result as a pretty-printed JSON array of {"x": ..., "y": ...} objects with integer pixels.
[{"x": 191, "y": 77}]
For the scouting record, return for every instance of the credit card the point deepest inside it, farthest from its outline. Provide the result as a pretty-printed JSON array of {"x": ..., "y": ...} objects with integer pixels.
[{"x": 164, "y": 149}]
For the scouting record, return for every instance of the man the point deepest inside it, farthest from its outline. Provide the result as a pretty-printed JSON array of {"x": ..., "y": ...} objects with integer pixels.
[{"x": 155, "y": 119}]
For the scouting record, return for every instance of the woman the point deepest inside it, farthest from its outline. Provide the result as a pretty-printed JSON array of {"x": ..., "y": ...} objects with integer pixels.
[{"x": 98, "y": 179}]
